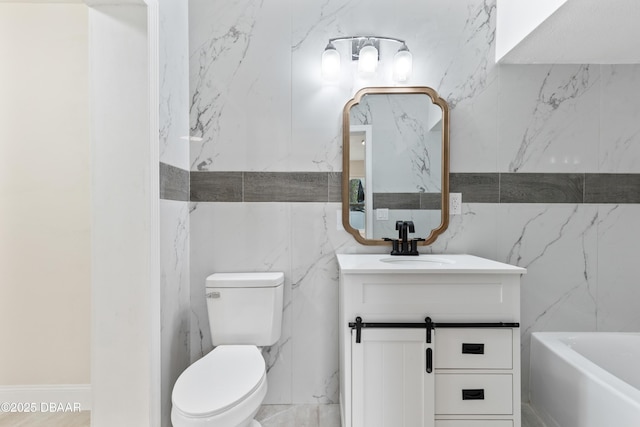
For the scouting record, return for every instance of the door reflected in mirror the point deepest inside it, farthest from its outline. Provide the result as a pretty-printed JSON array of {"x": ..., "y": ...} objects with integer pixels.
[{"x": 395, "y": 166}]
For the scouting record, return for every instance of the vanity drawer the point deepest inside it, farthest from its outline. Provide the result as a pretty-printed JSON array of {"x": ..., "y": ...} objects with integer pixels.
[
  {"x": 474, "y": 423},
  {"x": 474, "y": 348},
  {"x": 477, "y": 394}
]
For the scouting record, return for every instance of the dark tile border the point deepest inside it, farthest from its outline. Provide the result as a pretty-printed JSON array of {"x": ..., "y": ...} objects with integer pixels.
[
  {"x": 407, "y": 200},
  {"x": 216, "y": 186},
  {"x": 430, "y": 201},
  {"x": 612, "y": 188},
  {"x": 547, "y": 187},
  {"x": 476, "y": 187},
  {"x": 396, "y": 200},
  {"x": 541, "y": 188},
  {"x": 286, "y": 187},
  {"x": 174, "y": 183},
  {"x": 335, "y": 186},
  {"x": 322, "y": 187}
]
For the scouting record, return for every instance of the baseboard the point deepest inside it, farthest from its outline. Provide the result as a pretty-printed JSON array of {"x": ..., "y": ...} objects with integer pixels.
[{"x": 49, "y": 397}]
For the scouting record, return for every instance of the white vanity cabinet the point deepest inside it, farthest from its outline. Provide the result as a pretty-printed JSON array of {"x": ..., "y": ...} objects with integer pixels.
[{"x": 429, "y": 341}]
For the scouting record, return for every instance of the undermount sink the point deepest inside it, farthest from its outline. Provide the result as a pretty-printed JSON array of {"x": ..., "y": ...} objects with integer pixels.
[{"x": 420, "y": 260}]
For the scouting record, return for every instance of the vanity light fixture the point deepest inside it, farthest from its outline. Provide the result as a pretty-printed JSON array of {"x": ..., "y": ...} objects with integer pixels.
[
  {"x": 402, "y": 64},
  {"x": 330, "y": 62},
  {"x": 366, "y": 50},
  {"x": 368, "y": 58}
]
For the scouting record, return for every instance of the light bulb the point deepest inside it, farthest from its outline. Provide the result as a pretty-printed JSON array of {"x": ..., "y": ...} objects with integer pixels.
[
  {"x": 368, "y": 58},
  {"x": 402, "y": 64},
  {"x": 330, "y": 62}
]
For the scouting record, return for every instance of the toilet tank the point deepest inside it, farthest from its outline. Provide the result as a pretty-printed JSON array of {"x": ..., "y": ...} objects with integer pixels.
[{"x": 245, "y": 308}]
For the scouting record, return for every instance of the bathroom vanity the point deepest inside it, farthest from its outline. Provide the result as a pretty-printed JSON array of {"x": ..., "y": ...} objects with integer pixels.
[{"x": 429, "y": 340}]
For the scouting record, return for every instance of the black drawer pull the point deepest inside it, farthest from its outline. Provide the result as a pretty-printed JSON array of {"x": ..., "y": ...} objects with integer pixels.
[
  {"x": 473, "y": 394},
  {"x": 468, "y": 348}
]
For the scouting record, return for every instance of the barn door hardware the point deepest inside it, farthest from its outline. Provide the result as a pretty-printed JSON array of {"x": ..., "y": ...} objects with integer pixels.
[{"x": 428, "y": 325}]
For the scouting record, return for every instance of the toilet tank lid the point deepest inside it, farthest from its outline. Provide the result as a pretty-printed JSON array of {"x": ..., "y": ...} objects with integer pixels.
[{"x": 245, "y": 280}]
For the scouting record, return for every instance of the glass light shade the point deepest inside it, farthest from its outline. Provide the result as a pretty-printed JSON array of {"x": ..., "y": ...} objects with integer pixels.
[
  {"x": 330, "y": 63},
  {"x": 368, "y": 59},
  {"x": 402, "y": 64}
]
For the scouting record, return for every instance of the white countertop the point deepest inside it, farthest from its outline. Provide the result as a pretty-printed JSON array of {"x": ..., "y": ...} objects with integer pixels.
[{"x": 426, "y": 263}]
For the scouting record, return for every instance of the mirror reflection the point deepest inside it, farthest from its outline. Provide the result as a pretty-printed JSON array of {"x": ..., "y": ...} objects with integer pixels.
[{"x": 395, "y": 164}]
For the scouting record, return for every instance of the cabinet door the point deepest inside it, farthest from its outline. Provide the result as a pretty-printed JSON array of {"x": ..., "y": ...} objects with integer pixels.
[{"x": 391, "y": 385}]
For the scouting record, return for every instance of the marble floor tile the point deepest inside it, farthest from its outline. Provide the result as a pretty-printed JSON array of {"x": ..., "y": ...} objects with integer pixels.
[
  {"x": 40, "y": 419},
  {"x": 529, "y": 417},
  {"x": 329, "y": 416},
  {"x": 308, "y": 415}
]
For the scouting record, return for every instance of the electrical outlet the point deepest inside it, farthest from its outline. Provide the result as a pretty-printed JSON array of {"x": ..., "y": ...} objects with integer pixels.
[{"x": 455, "y": 203}]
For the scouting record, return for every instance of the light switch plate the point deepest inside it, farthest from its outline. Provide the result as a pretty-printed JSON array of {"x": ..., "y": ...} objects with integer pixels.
[{"x": 382, "y": 214}]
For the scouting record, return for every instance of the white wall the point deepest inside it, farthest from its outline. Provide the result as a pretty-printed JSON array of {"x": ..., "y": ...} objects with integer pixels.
[
  {"x": 125, "y": 339},
  {"x": 45, "y": 137},
  {"x": 518, "y": 18},
  {"x": 45, "y": 248}
]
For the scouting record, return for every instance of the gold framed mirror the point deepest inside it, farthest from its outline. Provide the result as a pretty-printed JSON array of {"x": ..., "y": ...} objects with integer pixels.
[{"x": 395, "y": 167}]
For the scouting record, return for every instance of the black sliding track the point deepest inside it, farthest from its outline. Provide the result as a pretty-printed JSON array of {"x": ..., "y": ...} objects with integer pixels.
[{"x": 428, "y": 325}]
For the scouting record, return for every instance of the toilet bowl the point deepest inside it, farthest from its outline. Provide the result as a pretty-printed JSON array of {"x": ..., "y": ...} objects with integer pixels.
[
  {"x": 224, "y": 388},
  {"x": 227, "y": 386}
]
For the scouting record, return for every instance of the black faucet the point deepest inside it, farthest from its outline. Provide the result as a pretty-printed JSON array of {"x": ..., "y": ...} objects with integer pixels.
[
  {"x": 404, "y": 246},
  {"x": 404, "y": 228}
]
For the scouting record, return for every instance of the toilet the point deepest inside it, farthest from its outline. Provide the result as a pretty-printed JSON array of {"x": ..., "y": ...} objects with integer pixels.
[{"x": 227, "y": 386}]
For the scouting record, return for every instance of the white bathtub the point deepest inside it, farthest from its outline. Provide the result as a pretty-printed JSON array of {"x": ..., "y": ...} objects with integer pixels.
[{"x": 586, "y": 379}]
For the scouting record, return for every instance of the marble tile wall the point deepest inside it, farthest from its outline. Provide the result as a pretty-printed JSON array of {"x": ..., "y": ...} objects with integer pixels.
[
  {"x": 175, "y": 302},
  {"x": 174, "y": 194},
  {"x": 260, "y": 106}
]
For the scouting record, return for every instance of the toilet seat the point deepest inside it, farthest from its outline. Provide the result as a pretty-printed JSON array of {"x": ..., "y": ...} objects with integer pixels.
[{"x": 219, "y": 381}]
